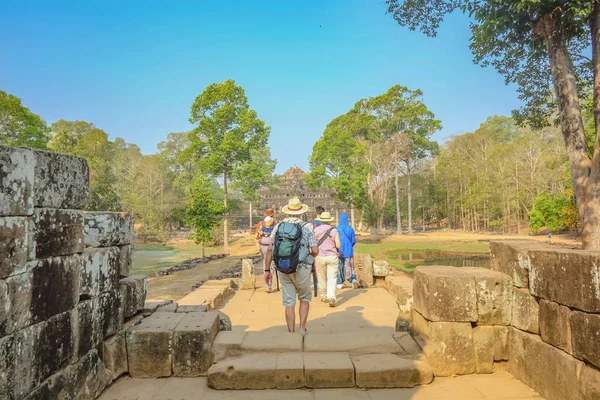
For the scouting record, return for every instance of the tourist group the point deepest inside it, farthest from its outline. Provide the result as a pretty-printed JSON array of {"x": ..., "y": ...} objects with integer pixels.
[{"x": 306, "y": 255}]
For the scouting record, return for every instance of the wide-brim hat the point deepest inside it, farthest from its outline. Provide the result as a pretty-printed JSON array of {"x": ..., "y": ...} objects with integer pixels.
[
  {"x": 294, "y": 207},
  {"x": 325, "y": 217},
  {"x": 269, "y": 212}
]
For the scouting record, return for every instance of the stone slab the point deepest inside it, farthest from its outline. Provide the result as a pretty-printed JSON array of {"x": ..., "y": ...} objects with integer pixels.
[
  {"x": 228, "y": 344},
  {"x": 17, "y": 170},
  {"x": 555, "y": 325},
  {"x": 61, "y": 181},
  {"x": 192, "y": 342},
  {"x": 590, "y": 383},
  {"x": 585, "y": 329},
  {"x": 150, "y": 345},
  {"x": 328, "y": 370},
  {"x": 494, "y": 296},
  {"x": 484, "y": 343},
  {"x": 382, "y": 269},
  {"x": 408, "y": 344},
  {"x": 7, "y": 367},
  {"x": 369, "y": 341},
  {"x": 511, "y": 257},
  {"x": 252, "y": 371},
  {"x": 139, "y": 286},
  {"x": 188, "y": 309},
  {"x": 211, "y": 297},
  {"x": 13, "y": 245},
  {"x": 549, "y": 371},
  {"x": 224, "y": 320},
  {"x": 364, "y": 269},
  {"x": 86, "y": 325},
  {"x": 168, "y": 308},
  {"x": 419, "y": 328},
  {"x": 39, "y": 351},
  {"x": 577, "y": 272},
  {"x": 445, "y": 294},
  {"x": 125, "y": 260},
  {"x": 55, "y": 232},
  {"x": 127, "y": 299},
  {"x": 525, "y": 313},
  {"x": 450, "y": 349},
  {"x": 114, "y": 355},
  {"x": 290, "y": 371},
  {"x": 152, "y": 306},
  {"x": 100, "y": 271},
  {"x": 401, "y": 287},
  {"x": 248, "y": 278},
  {"x": 390, "y": 371},
  {"x": 501, "y": 343},
  {"x": 272, "y": 342},
  {"x": 105, "y": 229}
]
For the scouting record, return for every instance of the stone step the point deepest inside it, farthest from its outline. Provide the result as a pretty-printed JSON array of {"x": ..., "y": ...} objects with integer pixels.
[
  {"x": 366, "y": 342},
  {"x": 293, "y": 370}
]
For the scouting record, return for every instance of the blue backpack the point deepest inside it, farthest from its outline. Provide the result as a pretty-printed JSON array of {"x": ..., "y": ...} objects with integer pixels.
[{"x": 288, "y": 248}]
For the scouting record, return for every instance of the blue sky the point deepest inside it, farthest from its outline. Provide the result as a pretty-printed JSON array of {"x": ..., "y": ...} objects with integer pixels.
[{"x": 134, "y": 67}]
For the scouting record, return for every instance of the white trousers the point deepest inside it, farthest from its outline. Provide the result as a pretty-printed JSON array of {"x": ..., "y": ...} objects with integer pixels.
[{"x": 327, "y": 272}]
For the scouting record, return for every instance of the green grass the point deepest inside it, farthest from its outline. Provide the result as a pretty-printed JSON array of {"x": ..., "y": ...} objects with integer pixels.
[{"x": 390, "y": 251}]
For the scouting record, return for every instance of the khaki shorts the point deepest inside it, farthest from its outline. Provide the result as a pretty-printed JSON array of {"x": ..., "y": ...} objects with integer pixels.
[{"x": 298, "y": 283}]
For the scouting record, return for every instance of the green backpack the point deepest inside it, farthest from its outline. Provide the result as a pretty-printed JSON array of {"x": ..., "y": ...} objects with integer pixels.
[{"x": 288, "y": 248}]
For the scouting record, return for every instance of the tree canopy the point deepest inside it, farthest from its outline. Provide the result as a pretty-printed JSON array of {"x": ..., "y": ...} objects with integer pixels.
[{"x": 19, "y": 126}]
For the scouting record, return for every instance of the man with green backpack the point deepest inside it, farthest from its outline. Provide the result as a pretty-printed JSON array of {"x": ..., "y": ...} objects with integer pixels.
[{"x": 293, "y": 249}]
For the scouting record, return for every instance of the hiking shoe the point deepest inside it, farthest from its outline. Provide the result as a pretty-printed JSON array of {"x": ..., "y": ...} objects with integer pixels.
[
  {"x": 354, "y": 285},
  {"x": 331, "y": 302},
  {"x": 303, "y": 332},
  {"x": 269, "y": 290}
]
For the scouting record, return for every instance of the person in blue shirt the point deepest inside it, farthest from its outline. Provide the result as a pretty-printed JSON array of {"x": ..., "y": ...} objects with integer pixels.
[{"x": 346, "y": 265}]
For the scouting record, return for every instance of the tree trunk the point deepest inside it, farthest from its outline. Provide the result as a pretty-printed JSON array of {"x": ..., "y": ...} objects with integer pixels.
[
  {"x": 591, "y": 220},
  {"x": 225, "y": 231},
  {"x": 571, "y": 120},
  {"x": 409, "y": 189},
  {"x": 352, "y": 215},
  {"x": 250, "y": 215},
  {"x": 203, "y": 255},
  {"x": 398, "y": 217},
  {"x": 517, "y": 202}
]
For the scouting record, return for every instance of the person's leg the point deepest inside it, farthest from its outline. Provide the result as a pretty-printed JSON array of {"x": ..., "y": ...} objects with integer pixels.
[
  {"x": 332, "y": 273},
  {"x": 321, "y": 266},
  {"x": 290, "y": 317},
  {"x": 340, "y": 278},
  {"x": 304, "y": 309},
  {"x": 288, "y": 296},
  {"x": 268, "y": 280},
  {"x": 351, "y": 272},
  {"x": 304, "y": 286}
]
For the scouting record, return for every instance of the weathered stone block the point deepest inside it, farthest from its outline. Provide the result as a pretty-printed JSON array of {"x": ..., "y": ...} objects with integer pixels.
[
  {"x": 224, "y": 321},
  {"x": 115, "y": 355},
  {"x": 445, "y": 294},
  {"x": 328, "y": 370},
  {"x": 368, "y": 342},
  {"x": 525, "y": 312},
  {"x": 483, "y": 340},
  {"x": 449, "y": 348},
  {"x": 419, "y": 328},
  {"x": 501, "y": 343},
  {"x": 61, "y": 181},
  {"x": 547, "y": 370},
  {"x": 110, "y": 317},
  {"x": 86, "y": 325},
  {"x": 382, "y": 268},
  {"x": 141, "y": 288},
  {"x": 364, "y": 269},
  {"x": 273, "y": 342},
  {"x": 252, "y": 371},
  {"x": 228, "y": 344},
  {"x": 290, "y": 371},
  {"x": 585, "y": 330},
  {"x": 13, "y": 246},
  {"x": 188, "y": 309},
  {"x": 577, "y": 272},
  {"x": 494, "y": 296},
  {"x": 15, "y": 298},
  {"x": 17, "y": 170},
  {"x": 403, "y": 322},
  {"x": 248, "y": 278},
  {"x": 100, "y": 271},
  {"x": 7, "y": 367},
  {"x": 408, "y": 344},
  {"x": 54, "y": 232},
  {"x": 390, "y": 371},
  {"x": 555, "y": 325},
  {"x": 511, "y": 257},
  {"x": 104, "y": 229},
  {"x": 169, "y": 308},
  {"x": 85, "y": 379},
  {"x": 127, "y": 299},
  {"x": 150, "y": 345},
  {"x": 401, "y": 287},
  {"x": 125, "y": 260},
  {"x": 192, "y": 341},
  {"x": 40, "y": 350},
  {"x": 590, "y": 383}
]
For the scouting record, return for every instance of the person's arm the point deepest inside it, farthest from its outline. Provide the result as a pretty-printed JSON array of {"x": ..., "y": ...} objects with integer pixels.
[
  {"x": 338, "y": 242},
  {"x": 312, "y": 241},
  {"x": 353, "y": 238}
]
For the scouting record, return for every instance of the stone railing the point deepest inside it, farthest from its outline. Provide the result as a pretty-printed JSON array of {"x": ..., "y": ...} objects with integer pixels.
[{"x": 65, "y": 292}]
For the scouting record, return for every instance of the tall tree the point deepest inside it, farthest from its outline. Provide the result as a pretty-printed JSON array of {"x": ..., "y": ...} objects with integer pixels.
[
  {"x": 226, "y": 132},
  {"x": 19, "y": 126},
  {"x": 537, "y": 44},
  {"x": 203, "y": 211}
]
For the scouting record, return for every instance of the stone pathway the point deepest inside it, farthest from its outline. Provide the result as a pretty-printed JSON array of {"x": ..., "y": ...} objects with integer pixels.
[{"x": 498, "y": 386}]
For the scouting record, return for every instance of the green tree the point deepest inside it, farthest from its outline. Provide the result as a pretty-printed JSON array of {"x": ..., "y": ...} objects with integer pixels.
[
  {"x": 203, "y": 211},
  {"x": 549, "y": 211},
  {"x": 537, "y": 44},
  {"x": 226, "y": 132},
  {"x": 19, "y": 126}
]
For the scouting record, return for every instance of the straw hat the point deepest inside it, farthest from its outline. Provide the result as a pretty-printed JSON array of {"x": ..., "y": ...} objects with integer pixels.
[
  {"x": 294, "y": 207},
  {"x": 325, "y": 217},
  {"x": 269, "y": 212}
]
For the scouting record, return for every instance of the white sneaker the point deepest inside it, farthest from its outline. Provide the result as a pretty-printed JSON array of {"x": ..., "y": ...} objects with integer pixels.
[{"x": 340, "y": 286}]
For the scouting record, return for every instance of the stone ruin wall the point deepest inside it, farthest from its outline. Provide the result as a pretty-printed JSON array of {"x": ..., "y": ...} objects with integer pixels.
[{"x": 66, "y": 296}]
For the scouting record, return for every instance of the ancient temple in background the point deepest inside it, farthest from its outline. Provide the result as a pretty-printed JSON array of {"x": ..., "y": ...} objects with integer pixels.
[{"x": 291, "y": 183}]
